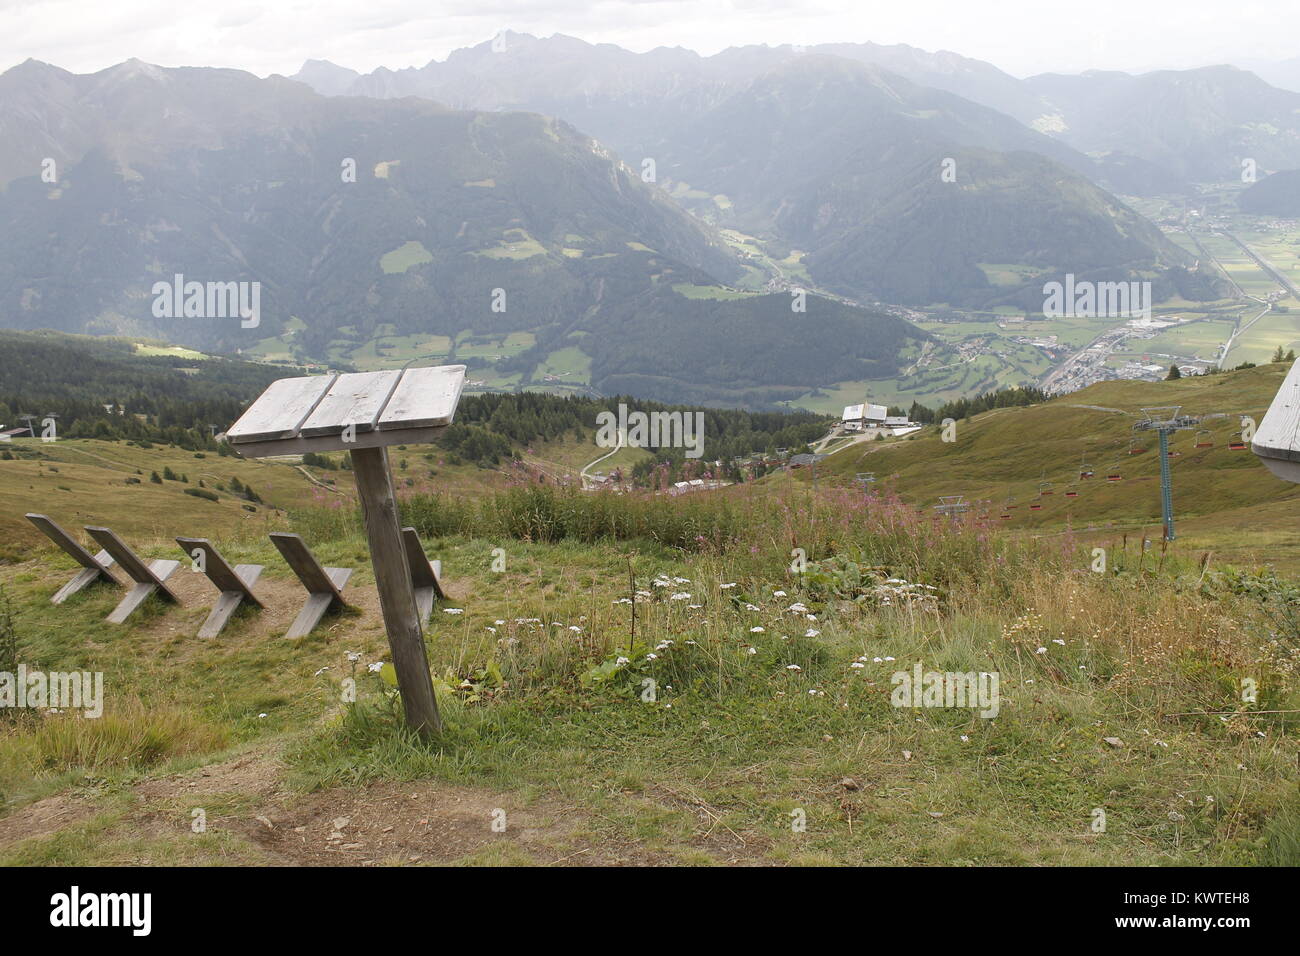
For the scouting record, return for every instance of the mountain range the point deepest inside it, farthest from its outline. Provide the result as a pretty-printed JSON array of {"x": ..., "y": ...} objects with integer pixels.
[
  {"x": 457, "y": 223},
  {"x": 649, "y": 214},
  {"x": 1151, "y": 133}
]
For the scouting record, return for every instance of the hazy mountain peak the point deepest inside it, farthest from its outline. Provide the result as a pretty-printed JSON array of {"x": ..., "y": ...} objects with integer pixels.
[
  {"x": 325, "y": 77},
  {"x": 134, "y": 67}
]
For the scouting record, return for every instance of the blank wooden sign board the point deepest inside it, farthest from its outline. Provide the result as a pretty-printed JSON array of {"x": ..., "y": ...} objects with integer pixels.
[
  {"x": 1277, "y": 439},
  {"x": 363, "y": 413}
]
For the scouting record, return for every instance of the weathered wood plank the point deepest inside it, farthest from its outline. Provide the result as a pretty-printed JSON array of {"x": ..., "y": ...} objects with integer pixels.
[
  {"x": 217, "y": 569},
  {"x": 396, "y": 594},
  {"x": 327, "y": 443},
  {"x": 79, "y": 582},
  {"x": 280, "y": 411},
  {"x": 1277, "y": 439},
  {"x": 235, "y": 584},
  {"x": 304, "y": 564},
  {"x": 135, "y": 568},
  {"x": 424, "y": 575},
  {"x": 159, "y": 571},
  {"x": 424, "y": 398},
  {"x": 324, "y": 585},
  {"x": 297, "y": 415},
  {"x": 339, "y": 576},
  {"x": 355, "y": 398},
  {"x": 318, "y": 603},
  {"x": 227, "y": 603},
  {"x": 69, "y": 545},
  {"x": 313, "y": 610}
]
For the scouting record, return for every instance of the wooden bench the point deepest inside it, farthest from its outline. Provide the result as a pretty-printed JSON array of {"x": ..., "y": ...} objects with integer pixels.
[
  {"x": 424, "y": 575},
  {"x": 235, "y": 584},
  {"x": 148, "y": 578},
  {"x": 323, "y": 584},
  {"x": 94, "y": 567}
]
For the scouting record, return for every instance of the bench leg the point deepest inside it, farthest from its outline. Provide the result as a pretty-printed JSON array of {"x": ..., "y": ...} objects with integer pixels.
[
  {"x": 222, "y": 611},
  {"x": 424, "y": 603},
  {"x": 80, "y": 581},
  {"x": 134, "y": 598},
  {"x": 310, "y": 615}
]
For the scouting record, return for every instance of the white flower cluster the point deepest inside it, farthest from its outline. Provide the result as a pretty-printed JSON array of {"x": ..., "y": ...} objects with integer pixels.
[{"x": 896, "y": 592}]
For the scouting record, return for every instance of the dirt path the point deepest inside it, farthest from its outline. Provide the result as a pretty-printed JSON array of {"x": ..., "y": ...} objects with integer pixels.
[{"x": 388, "y": 823}]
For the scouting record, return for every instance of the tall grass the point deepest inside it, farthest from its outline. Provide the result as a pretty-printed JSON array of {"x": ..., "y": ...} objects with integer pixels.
[
  {"x": 130, "y": 737},
  {"x": 547, "y": 514}
]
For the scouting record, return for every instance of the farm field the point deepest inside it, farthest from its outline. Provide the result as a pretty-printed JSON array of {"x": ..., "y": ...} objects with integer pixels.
[
  {"x": 404, "y": 257},
  {"x": 1272, "y": 331},
  {"x": 1280, "y": 246},
  {"x": 933, "y": 385},
  {"x": 1195, "y": 340},
  {"x": 570, "y": 365}
]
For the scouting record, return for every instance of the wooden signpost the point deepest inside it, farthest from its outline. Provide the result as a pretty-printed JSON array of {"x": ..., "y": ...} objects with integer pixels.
[{"x": 363, "y": 413}]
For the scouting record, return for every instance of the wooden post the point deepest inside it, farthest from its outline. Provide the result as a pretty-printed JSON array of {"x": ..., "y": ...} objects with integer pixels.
[
  {"x": 363, "y": 413},
  {"x": 396, "y": 592}
]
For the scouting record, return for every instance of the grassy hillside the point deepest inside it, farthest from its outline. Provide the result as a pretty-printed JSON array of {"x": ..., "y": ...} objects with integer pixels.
[
  {"x": 83, "y": 482},
  {"x": 1224, "y": 500},
  {"x": 762, "y": 715},
  {"x": 767, "y": 734}
]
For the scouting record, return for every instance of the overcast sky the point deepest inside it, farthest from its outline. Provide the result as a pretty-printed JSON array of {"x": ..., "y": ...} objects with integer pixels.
[{"x": 274, "y": 36}]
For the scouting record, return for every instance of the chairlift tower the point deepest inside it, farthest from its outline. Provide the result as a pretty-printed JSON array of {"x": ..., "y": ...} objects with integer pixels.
[
  {"x": 1163, "y": 420},
  {"x": 954, "y": 506}
]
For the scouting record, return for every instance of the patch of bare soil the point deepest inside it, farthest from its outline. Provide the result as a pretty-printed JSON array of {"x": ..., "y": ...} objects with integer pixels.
[
  {"x": 407, "y": 823},
  {"x": 248, "y": 775},
  {"x": 382, "y": 824},
  {"x": 43, "y": 818}
]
